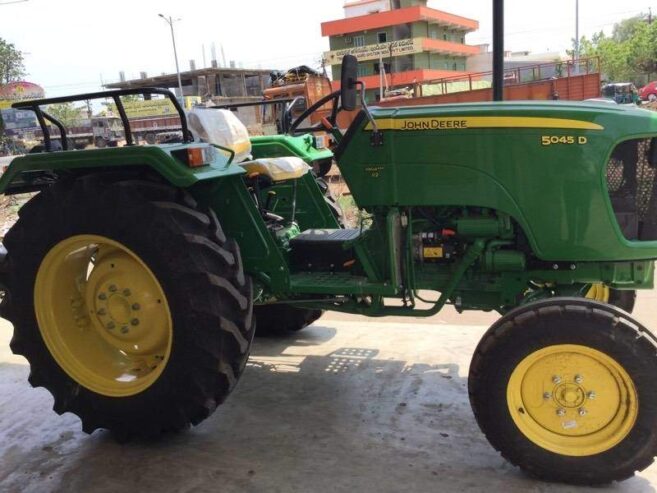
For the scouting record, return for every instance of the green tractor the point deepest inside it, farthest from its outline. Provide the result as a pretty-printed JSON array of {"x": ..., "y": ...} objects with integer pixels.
[{"x": 136, "y": 276}]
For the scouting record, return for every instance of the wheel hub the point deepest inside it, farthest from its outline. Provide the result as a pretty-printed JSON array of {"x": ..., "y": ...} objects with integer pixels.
[
  {"x": 572, "y": 400},
  {"x": 569, "y": 395},
  {"x": 115, "y": 337}
]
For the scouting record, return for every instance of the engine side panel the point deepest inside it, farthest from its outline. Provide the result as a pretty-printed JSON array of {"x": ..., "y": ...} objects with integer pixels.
[{"x": 543, "y": 164}]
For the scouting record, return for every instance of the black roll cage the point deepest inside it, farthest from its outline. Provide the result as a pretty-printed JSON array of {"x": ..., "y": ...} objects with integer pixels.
[{"x": 42, "y": 117}]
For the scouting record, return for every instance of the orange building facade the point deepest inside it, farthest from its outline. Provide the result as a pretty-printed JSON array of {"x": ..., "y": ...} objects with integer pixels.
[{"x": 407, "y": 40}]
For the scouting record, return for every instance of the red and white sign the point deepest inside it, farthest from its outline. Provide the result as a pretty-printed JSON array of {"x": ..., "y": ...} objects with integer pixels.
[{"x": 18, "y": 91}]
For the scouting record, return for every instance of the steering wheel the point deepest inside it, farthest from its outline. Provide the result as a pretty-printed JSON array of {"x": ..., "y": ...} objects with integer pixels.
[{"x": 327, "y": 124}]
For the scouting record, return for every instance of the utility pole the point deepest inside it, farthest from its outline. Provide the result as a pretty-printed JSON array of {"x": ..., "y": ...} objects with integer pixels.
[
  {"x": 576, "y": 31},
  {"x": 170, "y": 21},
  {"x": 577, "y": 44}
]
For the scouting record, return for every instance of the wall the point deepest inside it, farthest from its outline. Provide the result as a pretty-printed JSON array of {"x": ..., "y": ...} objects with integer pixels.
[
  {"x": 366, "y": 8},
  {"x": 371, "y": 38},
  {"x": 438, "y": 61}
]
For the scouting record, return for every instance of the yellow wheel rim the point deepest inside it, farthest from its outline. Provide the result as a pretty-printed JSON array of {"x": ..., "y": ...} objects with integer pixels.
[
  {"x": 103, "y": 315},
  {"x": 572, "y": 400},
  {"x": 599, "y": 292}
]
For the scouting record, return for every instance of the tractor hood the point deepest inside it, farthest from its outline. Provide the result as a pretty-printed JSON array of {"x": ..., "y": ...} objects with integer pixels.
[
  {"x": 615, "y": 121},
  {"x": 543, "y": 163}
]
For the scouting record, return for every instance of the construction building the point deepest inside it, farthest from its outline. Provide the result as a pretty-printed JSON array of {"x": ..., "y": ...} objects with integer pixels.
[
  {"x": 408, "y": 41},
  {"x": 221, "y": 86},
  {"x": 214, "y": 83}
]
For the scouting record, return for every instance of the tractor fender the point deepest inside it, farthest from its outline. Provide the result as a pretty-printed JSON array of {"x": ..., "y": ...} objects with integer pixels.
[{"x": 23, "y": 171}]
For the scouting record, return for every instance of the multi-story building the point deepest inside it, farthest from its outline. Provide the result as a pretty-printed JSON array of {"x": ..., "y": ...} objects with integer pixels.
[{"x": 411, "y": 42}]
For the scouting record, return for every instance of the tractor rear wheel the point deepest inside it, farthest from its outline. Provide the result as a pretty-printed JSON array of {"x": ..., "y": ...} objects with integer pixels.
[
  {"x": 280, "y": 320},
  {"x": 564, "y": 388},
  {"x": 129, "y": 303}
]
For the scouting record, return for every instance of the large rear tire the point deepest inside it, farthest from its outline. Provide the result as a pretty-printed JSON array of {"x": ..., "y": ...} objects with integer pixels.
[
  {"x": 129, "y": 303},
  {"x": 281, "y": 320},
  {"x": 565, "y": 389}
]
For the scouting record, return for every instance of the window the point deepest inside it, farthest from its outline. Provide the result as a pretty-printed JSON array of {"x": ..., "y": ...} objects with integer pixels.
[
  {"x": 433, "y": 34},
  {"x": 359, "y": 41},
  {"x": 445, "y": 37},
  {"x": 382, "y": 37},
  {"x": 363, "y": 70},
  {"x": 377, "y": 68}
]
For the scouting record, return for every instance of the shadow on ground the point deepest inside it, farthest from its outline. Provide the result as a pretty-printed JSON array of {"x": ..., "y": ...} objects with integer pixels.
[{"x": 310, "y": 415}]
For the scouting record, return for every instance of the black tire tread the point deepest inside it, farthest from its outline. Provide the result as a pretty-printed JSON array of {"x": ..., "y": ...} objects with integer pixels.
[
  {"x": 505, "y": 330},
  {"x": 199, "y": 259}
]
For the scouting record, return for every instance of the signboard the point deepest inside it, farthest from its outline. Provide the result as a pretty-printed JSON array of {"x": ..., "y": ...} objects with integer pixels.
[
  {"x": 154, "y": 107},
  {"x": 377, "y": 51},
  {"x": 17, "y": 119},
  {"x": 19, "y": 91}
]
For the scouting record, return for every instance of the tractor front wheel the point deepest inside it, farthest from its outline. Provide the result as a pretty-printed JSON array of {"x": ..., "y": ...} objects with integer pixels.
[
  {"x": 129, "y": 303},
  {"x": 565, "y": 389},
  {"x": 623, "y": 299}
]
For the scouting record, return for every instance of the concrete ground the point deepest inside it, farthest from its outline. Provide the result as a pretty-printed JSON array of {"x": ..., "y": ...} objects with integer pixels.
[{"x": 349, "y": 404}]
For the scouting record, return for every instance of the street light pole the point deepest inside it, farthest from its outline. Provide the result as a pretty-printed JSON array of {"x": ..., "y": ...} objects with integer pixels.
[
  {"x": 576, "y": 30},
  {"x": 576, "y": 54},
  {"x": 170, "y": 21}
]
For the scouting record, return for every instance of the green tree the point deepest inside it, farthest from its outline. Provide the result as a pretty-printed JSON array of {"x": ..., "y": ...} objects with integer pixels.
[
  {"x": 626, "y": 29},
  {"x": 11, "y": 63},
  {"x": 629, "y": 54},
  {"x": 66, "y": 113}
]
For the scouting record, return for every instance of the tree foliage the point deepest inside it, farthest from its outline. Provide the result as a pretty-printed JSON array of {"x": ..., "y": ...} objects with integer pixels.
[
  {"x": 11, "y": 63},
  {"x": 629, "y": 54},
  {"x": 66, "y": 113}
]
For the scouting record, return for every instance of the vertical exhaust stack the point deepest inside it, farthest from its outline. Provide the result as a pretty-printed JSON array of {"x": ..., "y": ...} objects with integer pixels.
[{"x": 498, "y": 50}]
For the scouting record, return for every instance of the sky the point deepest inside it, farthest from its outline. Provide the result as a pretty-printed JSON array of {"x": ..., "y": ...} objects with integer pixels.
[{"x": 73, "y": 46}]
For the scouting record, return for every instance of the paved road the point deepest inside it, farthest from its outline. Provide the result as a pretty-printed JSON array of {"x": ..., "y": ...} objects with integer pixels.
[{"x": 347, "y": 405}]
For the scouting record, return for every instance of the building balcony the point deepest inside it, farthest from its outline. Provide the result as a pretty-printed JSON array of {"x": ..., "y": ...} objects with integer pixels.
[
  {"x": 397, "y": 17},
  {"x": 402, "y": 47},
  {"x": 448, "y": 47}
]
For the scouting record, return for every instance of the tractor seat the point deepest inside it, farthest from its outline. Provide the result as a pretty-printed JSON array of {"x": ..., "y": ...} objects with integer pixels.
[
  {"x": 278, "y": 168},
  {"x": 223, "y": 128}
]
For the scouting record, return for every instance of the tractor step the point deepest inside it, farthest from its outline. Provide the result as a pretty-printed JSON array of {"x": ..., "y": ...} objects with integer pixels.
[
  {"x": 332, "y": 283},
  {"x": 325, "y": 250}
]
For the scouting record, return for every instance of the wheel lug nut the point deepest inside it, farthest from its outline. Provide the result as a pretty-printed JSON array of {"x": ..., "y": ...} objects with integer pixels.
[
  {"x": 578, "y": 379},
  {"x": 582, "y": 411},
  {"x": 136, "y": 306},
  {"x": 110, "y": 325},
  {"x": 124, "y": 329},
  {"x": 126, "y": 292},
  {"x": 547, "y": 396},
  {"x": 561, "y": 412},
  {"x": 112, "y": 288},
  {"x": 102, "y": 312},
  {"x": 556, "y": 379},
  {"x": 591, "y": 395},
  {"x": 102, "y": 296},
  {"x": 134, "y": 321}
]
